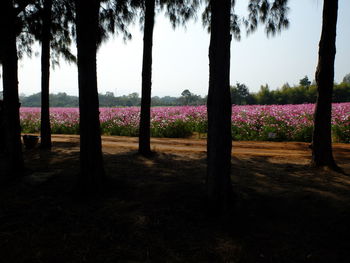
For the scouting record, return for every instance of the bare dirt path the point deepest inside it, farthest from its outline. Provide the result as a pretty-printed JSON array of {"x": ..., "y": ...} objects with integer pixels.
[{"x": 293, "y": 151}]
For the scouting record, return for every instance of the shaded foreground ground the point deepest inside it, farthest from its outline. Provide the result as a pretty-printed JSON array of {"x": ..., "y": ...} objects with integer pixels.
[{"x": 153, "y": 210}]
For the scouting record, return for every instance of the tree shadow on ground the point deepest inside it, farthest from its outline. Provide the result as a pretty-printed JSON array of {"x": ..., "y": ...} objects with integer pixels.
[
  {"x": 154, "y": 210},
  {"x": 292, "y": 213}
]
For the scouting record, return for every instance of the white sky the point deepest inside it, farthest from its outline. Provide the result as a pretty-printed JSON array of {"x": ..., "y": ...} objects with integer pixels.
[{"x": 180, "y": 57}]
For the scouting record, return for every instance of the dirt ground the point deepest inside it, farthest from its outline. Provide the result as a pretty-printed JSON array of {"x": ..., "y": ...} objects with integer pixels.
[{"x": 154, "y": 209}]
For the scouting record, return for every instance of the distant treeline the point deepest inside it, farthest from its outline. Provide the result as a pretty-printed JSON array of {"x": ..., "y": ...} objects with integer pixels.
[
  {"x": 240, "y": 94},
  {"x": 62, "y": 99},
  {"x": 305, "y": 92},
  {"x": 109, "y": 100}
]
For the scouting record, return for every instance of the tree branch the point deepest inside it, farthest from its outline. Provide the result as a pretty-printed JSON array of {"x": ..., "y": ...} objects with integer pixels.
[{"x": 22, "y": 6}]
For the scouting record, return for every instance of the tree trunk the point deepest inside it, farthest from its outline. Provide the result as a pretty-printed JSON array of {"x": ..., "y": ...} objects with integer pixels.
[
  {"x": 219, "y": 109},
  {"x": 91, "y": 161},
  {"x": 9, "y": 61},
  {"x": 322, "y": 139},
  {"x": 45, "y": 128},
  {"x": 145, "y": 118}
]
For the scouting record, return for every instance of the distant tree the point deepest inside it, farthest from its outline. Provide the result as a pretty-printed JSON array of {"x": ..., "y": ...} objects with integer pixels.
[
  {"x": 322, "y": 154},
  {"x": 155, "y": 101},
  {"x": 305, "y": 82},
  {"x": 310, "y": 94},
  {"x": 133, "y": 99},
  {"x": 297, "y": 95},
  {"x": 346, "y": 78},
  {"x": 107, "y": 100},
  {"x": 33, "y": 100},
  {"x": 265, "y": 96},
  {"x": 189, "y": 98},
  {"x": 186, "y": 93},
  {"x": 165, "y": 101},
  {"x": 281, "y": 95},
  {"x": 239, "y": 94},
  {"x": 109, "y": 94},
  {"x": 61, "y": 99},
  {"x": 251, "y": 99},
  {"x": 168, "y": 99},
  {"x": 186, "y": 97},
  {"x": 341, "y": 92}
]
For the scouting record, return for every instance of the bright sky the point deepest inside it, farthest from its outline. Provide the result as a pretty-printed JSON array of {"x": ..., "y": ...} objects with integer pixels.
[{"x": 180, "y": 57}]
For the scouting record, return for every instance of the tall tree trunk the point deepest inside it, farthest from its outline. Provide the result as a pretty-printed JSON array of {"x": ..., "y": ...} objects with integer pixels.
[
  {"x": 91, "y": 161},
  {"x": 10, "y": 88},
  {"x": 145, "y": 118},
  {"x": 219, "y": 108},
  {"x": 322, "y": 140},
  {"x": 45, "y": 128}
]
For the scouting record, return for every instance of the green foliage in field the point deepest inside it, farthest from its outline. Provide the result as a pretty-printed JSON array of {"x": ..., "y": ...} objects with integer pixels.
[
  {"x": 270, "y": 130},
  {"x": 341, "y": 133},
  {"x": 175, "y": 129}
]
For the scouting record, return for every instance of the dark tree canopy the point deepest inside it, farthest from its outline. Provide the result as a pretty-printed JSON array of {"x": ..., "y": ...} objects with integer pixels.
[
  {"x": 272, "y": 14},
  {"x": 62, "y": 33}
]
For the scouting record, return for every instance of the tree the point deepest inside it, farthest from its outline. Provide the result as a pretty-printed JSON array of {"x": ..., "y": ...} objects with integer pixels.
[
  {"x": 133, "y": 99},
  {"x": 45, "y": 127},
  {"x": 223, "y": 21},
  {"x": 189, "y": 98},
  {"x": 145, "y": 117},
  {"x": 219, "y": 108},
  {"x": 178, "y": 12},
  {"x": 49, "y": 22},
  {"x": 265, "y": 96},
  {"x": 186, "y": 93},
  {"x": 239, "y": 94},
  {"x": 346, "y": 78},
  {"x": 322, "y": 155},
  {"x": 9, "y": 61},
  {"x": 92, "y": 27},
  {"x": 186, "y": 96},
  {"x": 305, "y": 82},
  {"x": 91, "y": 160},
  {"x": 341, "y": 92}
]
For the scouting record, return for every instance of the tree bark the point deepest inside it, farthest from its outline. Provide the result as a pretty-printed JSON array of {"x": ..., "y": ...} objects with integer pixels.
[
  {"x": 145, "y": 115},
  {"x": 219, "y": 143},
  {"x": 45, "y": 128},
  {"x": 322, "y": 154},
  {"x": 91, "y": 161},
  {"x": 9, "y": 60}
]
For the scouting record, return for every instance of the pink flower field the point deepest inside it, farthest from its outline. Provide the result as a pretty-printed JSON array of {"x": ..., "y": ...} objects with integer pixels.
[{"x": 251, "y": 122}]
